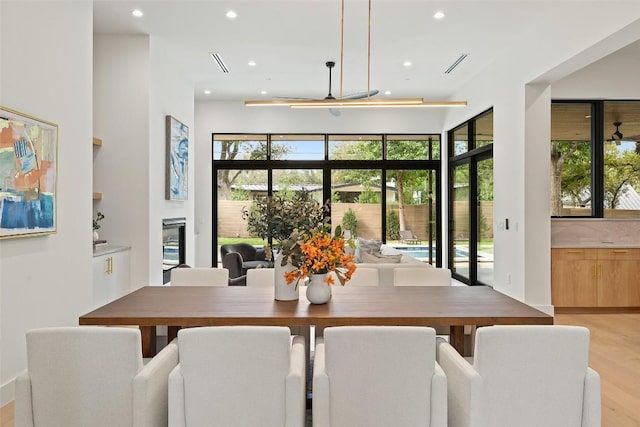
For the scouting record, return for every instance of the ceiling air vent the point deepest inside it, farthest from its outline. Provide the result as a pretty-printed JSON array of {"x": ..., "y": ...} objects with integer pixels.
[
  {"x": 456, "y": 63},
  {"x": 216, "y": 57}
]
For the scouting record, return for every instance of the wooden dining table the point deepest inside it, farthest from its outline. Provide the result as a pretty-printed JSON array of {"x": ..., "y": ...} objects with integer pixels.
[{"x": 189, "y": 306}]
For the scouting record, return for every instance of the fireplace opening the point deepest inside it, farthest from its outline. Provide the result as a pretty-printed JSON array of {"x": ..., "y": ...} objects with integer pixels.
[{"x": 173, "y": 245}]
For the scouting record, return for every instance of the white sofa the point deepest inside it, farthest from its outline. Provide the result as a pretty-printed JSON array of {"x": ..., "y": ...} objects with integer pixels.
[{"x": 385, "y": 270}]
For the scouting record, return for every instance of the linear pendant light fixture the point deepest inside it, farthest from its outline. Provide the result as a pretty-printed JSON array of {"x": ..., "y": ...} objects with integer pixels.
[{"x": 355, "y": 103}]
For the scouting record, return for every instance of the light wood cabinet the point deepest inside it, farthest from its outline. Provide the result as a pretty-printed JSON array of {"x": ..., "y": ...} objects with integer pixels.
[
  {"x": 111, "y": 276},
  {"x": 595, "y": 277}
]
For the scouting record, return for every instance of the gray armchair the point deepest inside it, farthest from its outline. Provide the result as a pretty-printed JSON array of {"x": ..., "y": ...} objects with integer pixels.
[{"x": 240, "y": 257}]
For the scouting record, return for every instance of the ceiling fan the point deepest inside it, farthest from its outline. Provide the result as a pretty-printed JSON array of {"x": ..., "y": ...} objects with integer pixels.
[
  {"x": 334, "y": 111},
  {"x": 617, "y": 135},
  {"x": 361, "y": 99}
]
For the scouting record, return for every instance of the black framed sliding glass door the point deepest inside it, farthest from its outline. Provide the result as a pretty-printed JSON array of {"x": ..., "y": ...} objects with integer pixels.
[{"x": 471, "y": 201}]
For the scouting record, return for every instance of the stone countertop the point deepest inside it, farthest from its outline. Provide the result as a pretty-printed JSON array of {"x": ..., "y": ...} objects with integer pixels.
[
  {"x": 595, "y": 233},
  {"x": 109, "y": 249}
]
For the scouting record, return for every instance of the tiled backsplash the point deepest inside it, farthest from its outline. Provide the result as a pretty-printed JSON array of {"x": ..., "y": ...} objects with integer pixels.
[{"x": 595, "y": 232}]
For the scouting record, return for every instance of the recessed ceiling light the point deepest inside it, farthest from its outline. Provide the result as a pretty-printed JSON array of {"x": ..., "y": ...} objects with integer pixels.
[
  {"x": 438, "y": 15},
  {"x": 137, "y": 13},
  {"x": 407, "y": 63},
  {"x": 231, "y": 14},
  {"x": 207, "y": 92},
  {"x": 263, "y": 92},
  {"x": 387, "y": 92},
  {"x": 252, "y": 63}
]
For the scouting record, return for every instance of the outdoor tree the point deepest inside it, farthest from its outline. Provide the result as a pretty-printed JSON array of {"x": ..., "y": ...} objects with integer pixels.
[
  {"x": 571, "y": 173},
  {"x": 622, "y": 170},
  {"x": 406, "y": 181},
  {"x": 569, "y": 180},
  {"x": 240, "y": 150}
]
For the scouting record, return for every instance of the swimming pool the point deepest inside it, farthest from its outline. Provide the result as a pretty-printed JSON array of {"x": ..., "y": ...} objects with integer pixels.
[{"x": 421, "y": 252}]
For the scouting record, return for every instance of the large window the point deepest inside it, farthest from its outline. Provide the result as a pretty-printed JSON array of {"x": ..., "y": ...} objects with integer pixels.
[
  {"x": 595, "y": 159},
  {"x": 377, "y": 185},
  {"x": 471, "y": 200}
]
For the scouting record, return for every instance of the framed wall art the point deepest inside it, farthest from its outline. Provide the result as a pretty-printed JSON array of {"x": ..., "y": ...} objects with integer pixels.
[
  {"x": 177, "y": 166},
  {"x": 28, "y": 175}
]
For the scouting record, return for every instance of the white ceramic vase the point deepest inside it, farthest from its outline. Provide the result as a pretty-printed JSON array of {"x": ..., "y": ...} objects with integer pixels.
[
  {"x": 283, "y": 291},
  {"x": 318, "y": 291},
  {"x": 96, "y": 236}
]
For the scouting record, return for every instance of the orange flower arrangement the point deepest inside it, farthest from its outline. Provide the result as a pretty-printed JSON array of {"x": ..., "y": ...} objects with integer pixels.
[{"x": 320, "y": 254}]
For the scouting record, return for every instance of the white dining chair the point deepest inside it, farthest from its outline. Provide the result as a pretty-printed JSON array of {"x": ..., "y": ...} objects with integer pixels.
[
  {"x": 523, "y": 375},
  {"x": 92, "y": 376},
  {"x": 199, "y": 277},
  {"x": 408, "y": 276},
  {"x": 241, "y": 376},
  {"x": 378, "y": 376},
  {"x": 265, "y": 278},
  {"x": 261, "y": 277},
  {"x": 364, "y": 276}
]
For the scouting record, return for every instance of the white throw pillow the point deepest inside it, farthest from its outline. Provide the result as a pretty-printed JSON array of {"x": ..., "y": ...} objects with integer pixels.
[{"x": 366, "y": 246}]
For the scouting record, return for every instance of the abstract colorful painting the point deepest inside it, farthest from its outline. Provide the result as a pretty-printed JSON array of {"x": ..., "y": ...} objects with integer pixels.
[
  {"x": 28, "y": 174},
  {"x": 177, "y": 160}
]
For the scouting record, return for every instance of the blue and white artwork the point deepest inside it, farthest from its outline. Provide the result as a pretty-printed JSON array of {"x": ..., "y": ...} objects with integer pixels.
[{"x": 177, "y": 160}]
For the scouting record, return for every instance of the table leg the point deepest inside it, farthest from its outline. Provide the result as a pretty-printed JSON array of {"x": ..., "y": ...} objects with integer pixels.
[
  {"x": 148, "y": 334},
  {"x": 456, "y": 338},
  {"x": 172, "y": 332}
]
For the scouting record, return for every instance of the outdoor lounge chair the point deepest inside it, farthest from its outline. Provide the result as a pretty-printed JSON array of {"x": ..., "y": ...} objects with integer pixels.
[{"x": 407, "y": 236}]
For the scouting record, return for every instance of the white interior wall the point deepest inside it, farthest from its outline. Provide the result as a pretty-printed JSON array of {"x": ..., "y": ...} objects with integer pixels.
[
  {"x": 537, "y": 200},
  {"x": 171, "y": 94},
  {"x": 46, "y": 281},
  {"x": 613, "y": 77},
  {"x": 522, "y": 267},
  {"x": 121, "y": 88},
  {"x": 234, "y": 117}
]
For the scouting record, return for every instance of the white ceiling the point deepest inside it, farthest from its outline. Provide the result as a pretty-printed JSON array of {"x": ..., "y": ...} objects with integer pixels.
[{"x": 290, "y": 40}]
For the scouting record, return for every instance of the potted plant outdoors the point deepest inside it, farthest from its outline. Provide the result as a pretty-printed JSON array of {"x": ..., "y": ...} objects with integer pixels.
[{"x": 315, "y": 256}]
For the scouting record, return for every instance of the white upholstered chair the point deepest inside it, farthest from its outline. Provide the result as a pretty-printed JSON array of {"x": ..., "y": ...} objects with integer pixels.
[
  {"x": 92, "y": 376},
  {"x": 261, "y": 277},
  {"x": 364, "y": 276},
  {"x": 525, "y": 376},
  {"x": 238, "y": 376},
  {"x": 199, "y": 277},
  {"x": 421, "y": 276},
  {"x": 378, "y": 376}
]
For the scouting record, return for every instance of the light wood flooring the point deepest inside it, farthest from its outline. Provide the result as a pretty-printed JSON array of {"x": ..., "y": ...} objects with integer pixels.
[
  {"x": 6, "y": 416},
  {"x": 614, "y": 354}
]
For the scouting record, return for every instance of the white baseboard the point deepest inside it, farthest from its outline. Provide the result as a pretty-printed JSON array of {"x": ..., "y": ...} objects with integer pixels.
[{"x": 7, "y": 392}]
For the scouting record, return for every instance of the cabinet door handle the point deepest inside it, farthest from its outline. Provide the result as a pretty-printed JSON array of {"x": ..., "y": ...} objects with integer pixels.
[
  {"x": 595, "y": 270},
  {"x": 574, "y": 252},
  {"x": 109, "y": 265},
  {"x": 620, "y": 251}
]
